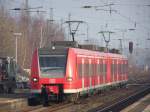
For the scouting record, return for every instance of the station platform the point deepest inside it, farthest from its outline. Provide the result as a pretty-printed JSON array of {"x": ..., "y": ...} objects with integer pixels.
[
  {"x": 143, "y": 105},
  {"x": 12, "y": 102}
]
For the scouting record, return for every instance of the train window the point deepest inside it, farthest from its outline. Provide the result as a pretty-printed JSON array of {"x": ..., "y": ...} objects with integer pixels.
[
  {"x": 97, "y": 69},
  {"x": 79, "y": 70},
  {"x": 98, "y": 66},
  {"x": 90, "y": 69},
  {"x": 104, "y": 69},
  {"x": 93, "y": 68},
  {"x": 101, "y": 68},
  {"x": 119, "y": 69},
  {"x": 52, "y": 66},
  {"x": 122, "y": 68},
  {"x": 125, "y": 67},
  {"x": 113, "y": 68},
  {"x": 86, "y": 69}
]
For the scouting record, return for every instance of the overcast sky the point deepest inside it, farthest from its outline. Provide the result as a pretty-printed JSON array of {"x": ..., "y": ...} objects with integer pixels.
[{"x": 130, "y": 14}]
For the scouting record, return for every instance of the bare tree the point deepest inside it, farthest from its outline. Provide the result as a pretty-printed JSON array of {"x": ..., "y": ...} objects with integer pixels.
[{"x": 36, "y": 32}]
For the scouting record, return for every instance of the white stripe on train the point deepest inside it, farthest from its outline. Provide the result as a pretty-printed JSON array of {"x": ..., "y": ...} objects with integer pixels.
[{"x": 81, "y": 89}]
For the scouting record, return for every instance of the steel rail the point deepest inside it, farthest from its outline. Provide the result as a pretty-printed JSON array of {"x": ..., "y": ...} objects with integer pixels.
[{"x": 118, "y": 106}]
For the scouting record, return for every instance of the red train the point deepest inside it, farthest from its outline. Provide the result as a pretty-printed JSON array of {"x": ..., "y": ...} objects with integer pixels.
[{"x": 73, "y": 71}]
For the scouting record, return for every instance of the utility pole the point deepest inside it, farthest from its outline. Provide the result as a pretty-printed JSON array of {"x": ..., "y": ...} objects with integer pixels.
[
  {"x": 69, "y": 18},
  {"x": 107, "y": 40},
  {"x": 73, "y": 31},
  {"x": 27, "y": 17},
  {"x": 17, "y": 35},
  {"x": 26, "y": 7},
  {"x": 87, "y": 31},
  {"x": 121, "y": 48},
  {"x": 51, "y": 16},
  {"x": 41, "y": 39},
  {"x": 51, "y": 20},
  {"x": 61, "y": 24}
]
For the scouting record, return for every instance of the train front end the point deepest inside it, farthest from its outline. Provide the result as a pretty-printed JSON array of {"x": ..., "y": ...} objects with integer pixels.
[{"x": 48, "y": 70}]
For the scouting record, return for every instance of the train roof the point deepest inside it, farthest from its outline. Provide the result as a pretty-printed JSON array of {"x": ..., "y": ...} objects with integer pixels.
[
  {"x": 79, "y": 51},
  {"x": 97, "y": 53},
  {"x": 62, "y": 47},
  {"x": 53, "y": 50}
]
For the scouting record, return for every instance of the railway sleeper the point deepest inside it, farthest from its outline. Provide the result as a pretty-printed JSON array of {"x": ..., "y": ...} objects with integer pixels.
[{"x": 73, "y": 97}]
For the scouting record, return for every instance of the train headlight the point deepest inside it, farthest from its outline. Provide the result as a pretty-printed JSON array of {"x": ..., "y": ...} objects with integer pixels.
[
  {"x": 69, "y": 78},
  {"x": 35, "y": 80},
  {"x": 53, "y": 48}
]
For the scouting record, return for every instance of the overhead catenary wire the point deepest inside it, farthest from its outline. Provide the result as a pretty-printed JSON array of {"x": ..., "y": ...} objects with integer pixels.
[{"x": 131, "y": 20}]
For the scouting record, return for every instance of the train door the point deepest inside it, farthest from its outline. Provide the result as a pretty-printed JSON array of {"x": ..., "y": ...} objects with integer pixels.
[
  {"x": 101, "y": 71},
  {"x": 92, "y": 73},
  {"x": 104, "y": 71},
  {"x": 86, "y": 73},
  {"x": 117, "y": 70},
  {"x": 113, "y": 70},
  {"x": 121, "y": 69},
  {"x": 115, "y": 75}
]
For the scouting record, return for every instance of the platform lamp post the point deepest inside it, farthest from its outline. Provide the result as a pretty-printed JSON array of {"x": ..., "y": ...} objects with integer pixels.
[{"x": 17, "y": 35}]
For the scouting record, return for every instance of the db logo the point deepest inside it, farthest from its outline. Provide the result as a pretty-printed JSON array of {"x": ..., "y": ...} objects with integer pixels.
[{"x": 52, "y": 81}]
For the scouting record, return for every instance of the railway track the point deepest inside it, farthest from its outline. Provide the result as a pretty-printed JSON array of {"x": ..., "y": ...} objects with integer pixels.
[
  {"x": 51, "y": 108},
  {"x": 101, "y": 100},
  {"x": 123, "y": 103}
]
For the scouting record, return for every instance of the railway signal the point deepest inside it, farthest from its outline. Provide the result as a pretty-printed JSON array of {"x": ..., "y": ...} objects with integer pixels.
[{"x": 130, "y": 47}]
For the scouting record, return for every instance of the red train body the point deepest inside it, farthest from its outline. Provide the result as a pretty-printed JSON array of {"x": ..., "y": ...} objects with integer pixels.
[{"x": 75, "y": 70}]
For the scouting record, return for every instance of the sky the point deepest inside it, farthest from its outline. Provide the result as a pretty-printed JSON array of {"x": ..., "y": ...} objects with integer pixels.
[{"x": 129, "y": 14}]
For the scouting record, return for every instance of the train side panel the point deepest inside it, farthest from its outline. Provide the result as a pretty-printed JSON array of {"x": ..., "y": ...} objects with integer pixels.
[
  {"x": 71, "y": 79},
  {"x": 35, "y": 79},
  {"x": 85, "y": 70}
]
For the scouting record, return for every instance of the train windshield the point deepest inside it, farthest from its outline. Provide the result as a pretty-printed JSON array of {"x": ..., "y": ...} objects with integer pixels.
[{"x": 52, "y": 66}]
